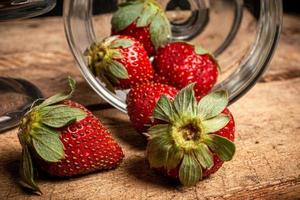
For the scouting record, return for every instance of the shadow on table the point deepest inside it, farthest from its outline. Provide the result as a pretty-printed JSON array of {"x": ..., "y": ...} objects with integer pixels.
[
  {"x": 12, "y": 169},
  {"x": 139, "y": 168}
]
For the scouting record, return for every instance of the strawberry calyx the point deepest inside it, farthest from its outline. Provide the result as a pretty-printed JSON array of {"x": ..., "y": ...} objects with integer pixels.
[
  {"x": 184, "y": 139},
  {"x": 201, "y": 51},
  {"x": 39, "y": 136},
  {"x": 145, "y": 13},
  {"x": 103, "y": 60}
]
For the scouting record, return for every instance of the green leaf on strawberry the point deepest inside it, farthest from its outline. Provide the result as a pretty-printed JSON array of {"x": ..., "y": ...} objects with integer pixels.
[
  {"x": 61, "y": 96},
  {"x": 159, "y": 148},
  {"x": 60, "y": 115},
  {"x": 185, "y": 101},
  {"x": 145, "y": 13},
  {"x": 212, "y": 105},
  {"x": 204, "y": 156},
  {"x": 124, "y": 43},
  {"x": 201, "y": 51},
  {"x": 164, "y": 109},
  {"x": 186, "y": 139},
  {"x": 148, "y": 13},
  {"x": 118, "y": 70},
  {"x": 221, "y": 146},
  {"x": 160, "y": 30},
  {"x": 190, "y": 171},
  {"x": 39, "y": 137},
  {"x": 127, "y": 13},
  {"x": 47, "y": 144},
  {"x": 214, "y": 124},
  {"x": 27, "y": 171}
]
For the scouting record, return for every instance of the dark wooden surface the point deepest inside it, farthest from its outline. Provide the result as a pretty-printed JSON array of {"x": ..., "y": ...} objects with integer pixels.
[{"x": 267, "y": 163}]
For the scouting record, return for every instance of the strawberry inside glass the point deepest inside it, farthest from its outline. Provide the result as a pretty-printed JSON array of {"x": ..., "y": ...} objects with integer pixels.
[{"x": 240, "y": 35}]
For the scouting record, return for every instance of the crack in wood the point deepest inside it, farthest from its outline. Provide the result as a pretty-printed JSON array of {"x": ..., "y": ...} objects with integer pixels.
[
  {"x": 283, "y": 190},
  {"x": 286, "y": 75}
]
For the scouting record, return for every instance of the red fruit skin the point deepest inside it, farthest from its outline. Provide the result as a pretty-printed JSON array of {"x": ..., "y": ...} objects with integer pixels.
[
  {"x": 160, "y": 79},
  {"x": 179, "y": 66},
  {"x": 227, "y": 132},
  {"x": 141, "y": 34},
  {"x": 88, "y": 147},
  {"x": 142, "y": 100},
  {"x": 137, "y": 63}
]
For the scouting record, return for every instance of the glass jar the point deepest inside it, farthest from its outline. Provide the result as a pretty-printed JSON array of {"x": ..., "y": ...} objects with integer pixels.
[{"x": 241, "y": 34}]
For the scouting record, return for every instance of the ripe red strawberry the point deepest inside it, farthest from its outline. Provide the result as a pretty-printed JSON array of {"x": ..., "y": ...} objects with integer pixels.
[
  {"x": 179, "y": 64},
  {"x": 141, "y": 101},
  {"x": 193, "y": 139},
  {"x": 64, "y": 139},
  {"x": 120, "y": 62},
  {"x": 144, "y": 20}
]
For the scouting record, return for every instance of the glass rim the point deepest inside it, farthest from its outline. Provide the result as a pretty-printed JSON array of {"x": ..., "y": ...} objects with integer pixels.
[{"x": 237, "y": 84}]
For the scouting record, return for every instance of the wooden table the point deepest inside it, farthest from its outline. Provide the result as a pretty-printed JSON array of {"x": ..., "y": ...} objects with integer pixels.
[{"x": 267, "y": 163}]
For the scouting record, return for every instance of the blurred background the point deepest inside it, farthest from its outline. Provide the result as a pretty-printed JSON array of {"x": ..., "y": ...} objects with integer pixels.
[{"x": 100, "y": 6}]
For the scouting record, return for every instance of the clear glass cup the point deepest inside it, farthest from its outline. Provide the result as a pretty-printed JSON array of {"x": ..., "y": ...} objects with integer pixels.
[
  {"x": 242, "y": 35},
  {"x": 16, "y": 95}
]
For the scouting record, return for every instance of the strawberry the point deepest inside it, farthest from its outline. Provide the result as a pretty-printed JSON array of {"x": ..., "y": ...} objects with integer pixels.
[
  {"x": 141, "y": 101},
  {"x": 64, "y": 139},
  {"x": 179, "y": 64},
  {"x": 193, "y": 139},
  {"x": 144, "y": 20},
  {"x": 120, "y": 62}
]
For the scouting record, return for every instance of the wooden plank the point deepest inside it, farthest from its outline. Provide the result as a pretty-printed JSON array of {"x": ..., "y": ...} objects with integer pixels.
[
  {"x": 267, "y": 163},
  {"x": 284, "y": 190},
  {"x": 267, "y": 157}
]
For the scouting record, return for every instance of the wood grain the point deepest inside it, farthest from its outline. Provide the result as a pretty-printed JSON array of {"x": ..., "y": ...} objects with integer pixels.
[{"x": 267, "y": 163}]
